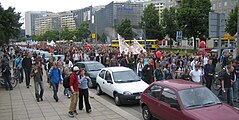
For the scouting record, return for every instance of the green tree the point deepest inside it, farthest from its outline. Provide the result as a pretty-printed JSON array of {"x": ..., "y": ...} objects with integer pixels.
[
  {"x": 83, "y": 32},
  {"x": 193, "y": 18},
  {"x": 169, "y": 23},
  {"x": 51, "y": 35},
  {"x": 67, "y": 34},
  {"x": 150, "y": 22},
  {"x": 231, "y": 24},
  {"x": 9, "y": 24},
  {"x": 124, "y": 28}
]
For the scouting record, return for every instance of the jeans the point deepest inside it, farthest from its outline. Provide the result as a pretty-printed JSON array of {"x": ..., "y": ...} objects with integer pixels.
[
  {"x": 27, "y": 75},
  {"x": 55, "y": 90},
  {"x": 140, "y": 74},
  {"x": 74, "y": 99},
  {"x": 66, "y": 92},
  {"x": 7, "y": 81},
  {"x": 20, "y": 75},
  {"x": 229, "y": 93},
  {"x": 235, "y": 90},
  {"x": 39, "y": 84},
  {"x": 84, "y": 93}
]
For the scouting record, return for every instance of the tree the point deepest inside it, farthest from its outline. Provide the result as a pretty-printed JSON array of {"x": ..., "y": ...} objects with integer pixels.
[
  {"x": 9, "y": 24},
  {"x": 83, "y": 32},
  {"x": 150, "y": 22},
  {"x": 66, "y": 34},
  {"x": 124, "y": 28},
  {"x": 51, "y": 35},
  {"x": 193, "y": 18},
  {"x": 169, "y": 23},
  {"x": 231, "y": 24}
]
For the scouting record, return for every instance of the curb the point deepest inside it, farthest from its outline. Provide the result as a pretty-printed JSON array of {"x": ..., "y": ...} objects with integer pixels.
[{"x": 114, "y": 108}]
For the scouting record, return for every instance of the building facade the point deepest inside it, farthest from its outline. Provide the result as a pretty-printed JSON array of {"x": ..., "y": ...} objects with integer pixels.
[
  {"x": 43, "y": 24},
  {"x": 112, "y": 14},
  {"x": 30, "y": 18},
  {"x": 224, "y": 6}
]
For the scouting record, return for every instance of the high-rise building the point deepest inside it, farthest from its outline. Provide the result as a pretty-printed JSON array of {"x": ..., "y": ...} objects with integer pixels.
[
  {"x": 108, "y": 17},
  {"x": 224, "y": 6},
  {"x": 30, "y": 18},
  {"x": 43, "y": 24}
]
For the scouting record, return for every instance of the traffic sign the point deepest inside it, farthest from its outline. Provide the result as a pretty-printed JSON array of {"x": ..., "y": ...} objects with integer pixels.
[
  {"x": 93, "y": 36},
  {"x": 217, "y": 24}
]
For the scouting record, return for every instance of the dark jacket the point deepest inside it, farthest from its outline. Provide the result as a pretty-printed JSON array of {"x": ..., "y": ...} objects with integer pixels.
[
  {"x": 209, "y": 69},
  {"x": 27, "y": 63}
]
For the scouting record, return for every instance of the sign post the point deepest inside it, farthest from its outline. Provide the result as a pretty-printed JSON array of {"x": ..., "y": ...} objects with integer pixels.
[
  {"x": 179, "y": 38},
  {"x": 217, "y": 25}
]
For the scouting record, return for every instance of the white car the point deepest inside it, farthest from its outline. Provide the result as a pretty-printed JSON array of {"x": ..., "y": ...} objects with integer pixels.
[{"x": 121, "y": 83}]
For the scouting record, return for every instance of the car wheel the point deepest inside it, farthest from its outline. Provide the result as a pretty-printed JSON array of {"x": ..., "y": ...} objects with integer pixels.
[
  {"x": 146, "y": 113},
  {"x": 117, "y": 99},
  {"x": 98, "y": 90},
  {"x": 90, "y": 84}
]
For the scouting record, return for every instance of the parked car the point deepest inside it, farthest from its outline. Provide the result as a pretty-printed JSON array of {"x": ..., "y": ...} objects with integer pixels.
[
  {"x": 183, "y": 100},
  {"x": 92, "y": 69},
  {"x": 121, "y": 83}
]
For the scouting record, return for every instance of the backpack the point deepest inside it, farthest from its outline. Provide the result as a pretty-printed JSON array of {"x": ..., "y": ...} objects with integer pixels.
[
  {"x": 221, "y": 74},
  {"x": 66, "y": 81}
]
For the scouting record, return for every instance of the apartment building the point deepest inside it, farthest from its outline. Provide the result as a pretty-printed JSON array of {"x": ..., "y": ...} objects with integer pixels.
[{"x": 224, "y": 6}]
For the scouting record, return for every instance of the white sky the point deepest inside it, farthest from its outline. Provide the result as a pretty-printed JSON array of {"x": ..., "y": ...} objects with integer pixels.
[{"x": 51, "y": 5}]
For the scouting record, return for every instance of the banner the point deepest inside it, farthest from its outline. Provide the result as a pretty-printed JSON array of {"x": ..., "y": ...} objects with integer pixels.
[{"x": 135, "y": 48}]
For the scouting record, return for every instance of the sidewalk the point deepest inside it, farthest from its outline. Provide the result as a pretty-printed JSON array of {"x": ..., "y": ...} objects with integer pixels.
[{"x": 20, "y": 104}]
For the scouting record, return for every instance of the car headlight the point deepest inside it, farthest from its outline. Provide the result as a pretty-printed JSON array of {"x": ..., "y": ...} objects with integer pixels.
[{"x": 127, "y": 93}]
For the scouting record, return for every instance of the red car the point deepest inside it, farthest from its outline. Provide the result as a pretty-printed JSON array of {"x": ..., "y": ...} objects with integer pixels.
[{"x": 183, "y": 100}]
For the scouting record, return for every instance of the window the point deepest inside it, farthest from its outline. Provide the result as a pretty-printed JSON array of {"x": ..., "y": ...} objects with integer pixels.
[
  {"x": 219, "y": 5},
  {"x": 168, "y": 96},
  {"x": 214, "y": 6},
  {"x": 154, "y": 91},
  {"x": 225, "y": 3},
  {"x": 108, "y": 76},
  {"x": 102, "y": 74}
]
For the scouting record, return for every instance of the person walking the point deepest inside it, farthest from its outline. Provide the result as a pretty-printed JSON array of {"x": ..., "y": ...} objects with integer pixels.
[
  {"x": 158, "y": 73},
  {"x": 6, "y": 74},
  {"x": 83, "y": 91},
  {"x": 66, "y": 79},
  {"x": 74, "y": 91},
  {"x": 27, "y": 66},
  {"x": 55, "y": 78},
  {"x": 227, "y": 84},
  {"x": 38, "y": 81},
  {"x": 148, "y": 72},
  {"x": 140, "y": 67},
  {"x": 196, "y": 74},
  {"x": 209, "y": 72},
  {"x": 18, "y": 67}
]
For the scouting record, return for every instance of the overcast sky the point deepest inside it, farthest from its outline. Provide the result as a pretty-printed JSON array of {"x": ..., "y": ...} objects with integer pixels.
[{"x": 51, "y": 5}]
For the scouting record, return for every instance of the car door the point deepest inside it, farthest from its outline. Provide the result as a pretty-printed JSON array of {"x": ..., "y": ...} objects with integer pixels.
[
  {"x": 101, "y": 79},
  {"x": 108, "y": 84},
  {"x": 167, "y": 99},
  {"x": 153, "y": 94}
]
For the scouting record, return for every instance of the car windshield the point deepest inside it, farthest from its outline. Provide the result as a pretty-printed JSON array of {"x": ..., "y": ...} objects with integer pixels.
[
  {"x": 198, "y": 97},
  {"x": 125, "y": 76},
  {"x": 95, "y": 66}
]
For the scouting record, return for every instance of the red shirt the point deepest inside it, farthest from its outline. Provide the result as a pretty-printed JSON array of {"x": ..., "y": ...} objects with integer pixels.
[{"x": 74, "y": 81}]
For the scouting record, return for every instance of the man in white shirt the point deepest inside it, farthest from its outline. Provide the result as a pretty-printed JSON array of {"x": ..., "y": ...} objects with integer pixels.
[
  {"x": 193, "y": 63},
  {"x": 196, "y": 74},
  {"x": 205, "y": 59}
]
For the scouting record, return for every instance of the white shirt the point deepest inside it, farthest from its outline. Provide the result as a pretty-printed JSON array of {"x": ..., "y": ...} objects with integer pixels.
[
  {"x": 193, "y": 63},
  {"x": 205, "y": 61},
  {"x": 70, "y": 65},
  {"x": 196, "y": 75},
  {"x": 75, "y": 56}
]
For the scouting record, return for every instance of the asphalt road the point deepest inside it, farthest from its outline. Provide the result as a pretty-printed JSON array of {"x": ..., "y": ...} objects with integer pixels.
[{"x": 132, "y": 109}]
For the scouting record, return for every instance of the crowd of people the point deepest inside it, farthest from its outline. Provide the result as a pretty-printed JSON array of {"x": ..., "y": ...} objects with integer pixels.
[{"x": 149, "y": 67}]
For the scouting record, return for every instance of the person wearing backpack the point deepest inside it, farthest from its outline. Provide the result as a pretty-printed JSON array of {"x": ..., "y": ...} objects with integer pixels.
[
  {"x": 18, "y": 67},
  {"x": 66, "y": 80},
  {"x": 6, "y": 74},
  {"x": 55, "y": 78},
  {"x": 74, "y": 91}
]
